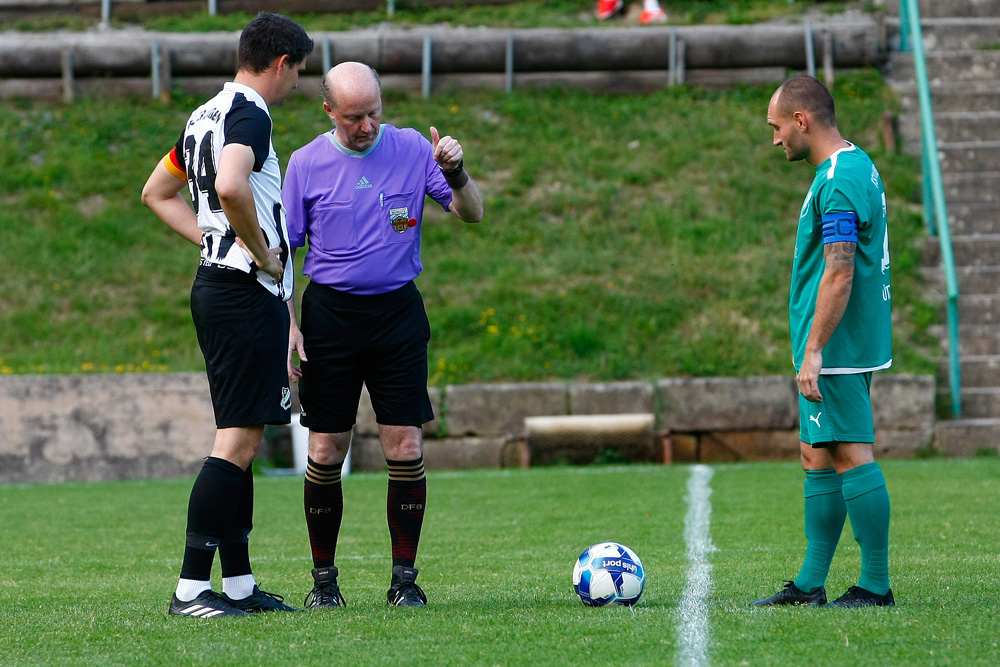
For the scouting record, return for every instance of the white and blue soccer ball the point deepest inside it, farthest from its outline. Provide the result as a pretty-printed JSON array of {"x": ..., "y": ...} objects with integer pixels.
[{"x": 608, "y": 573}]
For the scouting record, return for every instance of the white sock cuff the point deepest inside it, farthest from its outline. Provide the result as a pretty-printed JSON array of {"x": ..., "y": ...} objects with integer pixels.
[
  {"x": 189, "y": 589},
  {"x": 239, "y": 587}
]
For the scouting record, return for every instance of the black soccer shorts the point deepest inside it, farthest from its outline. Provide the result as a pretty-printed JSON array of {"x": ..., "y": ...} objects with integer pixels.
[
  {"x": 353, "y": 340},
  {"x": 243, "y": 332}
]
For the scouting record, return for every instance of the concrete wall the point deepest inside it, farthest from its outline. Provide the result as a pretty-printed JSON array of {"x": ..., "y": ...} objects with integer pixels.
[{"x": 103, "y": 427}]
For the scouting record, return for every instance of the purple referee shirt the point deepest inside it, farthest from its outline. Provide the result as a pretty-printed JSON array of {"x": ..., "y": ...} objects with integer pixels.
[{"x": 361, "y": 211}]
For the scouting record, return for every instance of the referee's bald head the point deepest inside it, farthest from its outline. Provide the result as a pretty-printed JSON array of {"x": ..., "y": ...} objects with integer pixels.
[{"x": 350, "y": 78}]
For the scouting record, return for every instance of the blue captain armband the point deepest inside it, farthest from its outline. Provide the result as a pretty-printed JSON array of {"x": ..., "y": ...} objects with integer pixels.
[{"x": 840, "y": 227}]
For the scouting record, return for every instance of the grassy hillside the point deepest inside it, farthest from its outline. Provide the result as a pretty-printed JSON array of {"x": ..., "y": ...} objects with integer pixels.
[
  {"x": 528, "y": 14},
  {"x": 625, "y": 237}
]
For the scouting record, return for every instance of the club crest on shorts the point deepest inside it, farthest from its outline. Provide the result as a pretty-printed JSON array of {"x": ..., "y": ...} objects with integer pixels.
[{"x": 286, "y": 398}]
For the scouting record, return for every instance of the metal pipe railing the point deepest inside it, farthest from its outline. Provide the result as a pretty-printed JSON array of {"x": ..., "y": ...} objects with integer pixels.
[{"x": 935, "y": 207}]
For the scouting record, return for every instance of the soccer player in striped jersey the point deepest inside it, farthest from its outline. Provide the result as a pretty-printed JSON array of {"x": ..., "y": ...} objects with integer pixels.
[
  {"x": 840, "y": 312},
  {"x": 357, "y": 193},
  {"x": 225, "y": 157}
]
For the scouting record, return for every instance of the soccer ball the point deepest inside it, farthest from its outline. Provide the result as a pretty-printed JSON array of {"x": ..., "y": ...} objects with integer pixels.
[{"x": 608, "y": 573}]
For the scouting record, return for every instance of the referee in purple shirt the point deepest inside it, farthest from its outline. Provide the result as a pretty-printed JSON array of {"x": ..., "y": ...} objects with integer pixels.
[{"x": 357, "y": 195}]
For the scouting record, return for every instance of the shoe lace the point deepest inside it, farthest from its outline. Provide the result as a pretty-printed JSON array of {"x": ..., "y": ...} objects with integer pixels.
[
  {"x": 273, "y": 596},
  {"x": 218, "y": 601},
  {"x": 859, "y": 593},
  {"x": 324, "y": 594},
  {"x": 787, "y": 590}
]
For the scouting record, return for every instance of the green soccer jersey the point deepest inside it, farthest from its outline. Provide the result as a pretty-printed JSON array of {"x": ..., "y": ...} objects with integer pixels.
[{"x": 846, "y": 182}]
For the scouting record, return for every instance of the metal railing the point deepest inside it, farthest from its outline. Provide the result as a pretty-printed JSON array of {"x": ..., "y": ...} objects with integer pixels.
[
  {"x": 213, "y": 10},
  {"x": 935, "y": 208}
]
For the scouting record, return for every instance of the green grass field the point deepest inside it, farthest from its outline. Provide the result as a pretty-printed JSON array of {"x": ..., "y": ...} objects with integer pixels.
[{"x": 86, "y": 571}]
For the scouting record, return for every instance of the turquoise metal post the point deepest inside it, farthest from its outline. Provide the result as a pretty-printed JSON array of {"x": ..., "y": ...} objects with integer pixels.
[
  {"x": 933, "y": 173},
  {"x": 928, "y": 191},
  {"x": 904, "y": 27}
]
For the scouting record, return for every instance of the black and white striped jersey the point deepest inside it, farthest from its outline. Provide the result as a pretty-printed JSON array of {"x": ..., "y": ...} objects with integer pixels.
[{"x": 238, "y": 114}]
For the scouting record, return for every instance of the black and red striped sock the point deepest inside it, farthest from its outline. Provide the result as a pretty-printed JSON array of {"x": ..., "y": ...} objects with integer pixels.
[
  {"x": 324, "y": 504},
  {"x": 405, "y": 502}
]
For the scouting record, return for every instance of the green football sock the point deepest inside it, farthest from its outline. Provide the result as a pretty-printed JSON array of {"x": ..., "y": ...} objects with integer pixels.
[
  {"x": 868, "y": 506},
  {"x": 825, "y": 515}
]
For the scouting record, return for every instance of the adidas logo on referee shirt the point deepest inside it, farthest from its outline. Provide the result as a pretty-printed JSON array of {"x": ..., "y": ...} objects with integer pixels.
[{"x": 363, "y": 184}]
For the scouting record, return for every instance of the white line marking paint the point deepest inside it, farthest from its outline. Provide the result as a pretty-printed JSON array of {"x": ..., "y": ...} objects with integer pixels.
[{"x": 693, "y": 621}]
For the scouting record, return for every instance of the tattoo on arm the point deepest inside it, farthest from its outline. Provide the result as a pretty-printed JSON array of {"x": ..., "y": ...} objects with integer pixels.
[{"x": 839, "y": 255}]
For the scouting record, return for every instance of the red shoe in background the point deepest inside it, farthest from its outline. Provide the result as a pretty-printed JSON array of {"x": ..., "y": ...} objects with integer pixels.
[
  {"x": 608, "y": 8},
  {"x": 656, "y": 15}
]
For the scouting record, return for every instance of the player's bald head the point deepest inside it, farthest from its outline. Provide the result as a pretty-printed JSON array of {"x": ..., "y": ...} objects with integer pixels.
[
  {"x": 350, "y": 80},
  {"x": 808, "y": 94}
]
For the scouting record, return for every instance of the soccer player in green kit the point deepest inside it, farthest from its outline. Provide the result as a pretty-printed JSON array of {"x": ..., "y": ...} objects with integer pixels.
[{"x": 840, "y": 316}]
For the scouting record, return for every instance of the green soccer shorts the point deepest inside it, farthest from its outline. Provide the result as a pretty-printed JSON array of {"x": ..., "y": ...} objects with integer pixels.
[{"x": 844, "y": 414}]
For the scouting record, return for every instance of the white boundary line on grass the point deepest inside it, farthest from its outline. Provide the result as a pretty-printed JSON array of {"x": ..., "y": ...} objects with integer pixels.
[{"x": 693, "y": 621}]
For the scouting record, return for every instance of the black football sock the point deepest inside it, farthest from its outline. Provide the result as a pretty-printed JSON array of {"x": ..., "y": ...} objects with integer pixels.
[
  {"x": 405, "y": 502},
  {"x": 234, "y": 550},
  {"x": 324, "y": 504},
  {"x": 214, "y": 497}
]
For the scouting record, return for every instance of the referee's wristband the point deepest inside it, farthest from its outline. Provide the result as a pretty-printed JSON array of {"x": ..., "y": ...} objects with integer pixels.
[{"x": 456, "y": 178}]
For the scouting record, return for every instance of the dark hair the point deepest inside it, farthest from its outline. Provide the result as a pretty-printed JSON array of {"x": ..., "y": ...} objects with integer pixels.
[
  {"x": 271, "y": 36},
  {"x": 806, "y": 93}
]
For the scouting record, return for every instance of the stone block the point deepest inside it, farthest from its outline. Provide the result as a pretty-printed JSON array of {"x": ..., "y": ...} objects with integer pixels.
[
  {"x": 439, "y": 453},
  {"x": 500, "y": 409},
  {"x": 95, "y": 427},
  {"x": 903, "y": 401},
  {"x": 729, "y": 404},
  {"x": 612, "y": 398},
  {"x": 900, "y": 443},
  {"x": 366, "y": 453},
  {"x": 433, "y": 428},
  {"x": 459, "y": 453},
  {"x": 966, "y": 437}
]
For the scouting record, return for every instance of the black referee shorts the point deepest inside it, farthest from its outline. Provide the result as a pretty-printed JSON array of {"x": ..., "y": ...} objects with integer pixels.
[
  {"x": 377, "y": 340},
  {"x": 243, "y": 332}
]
